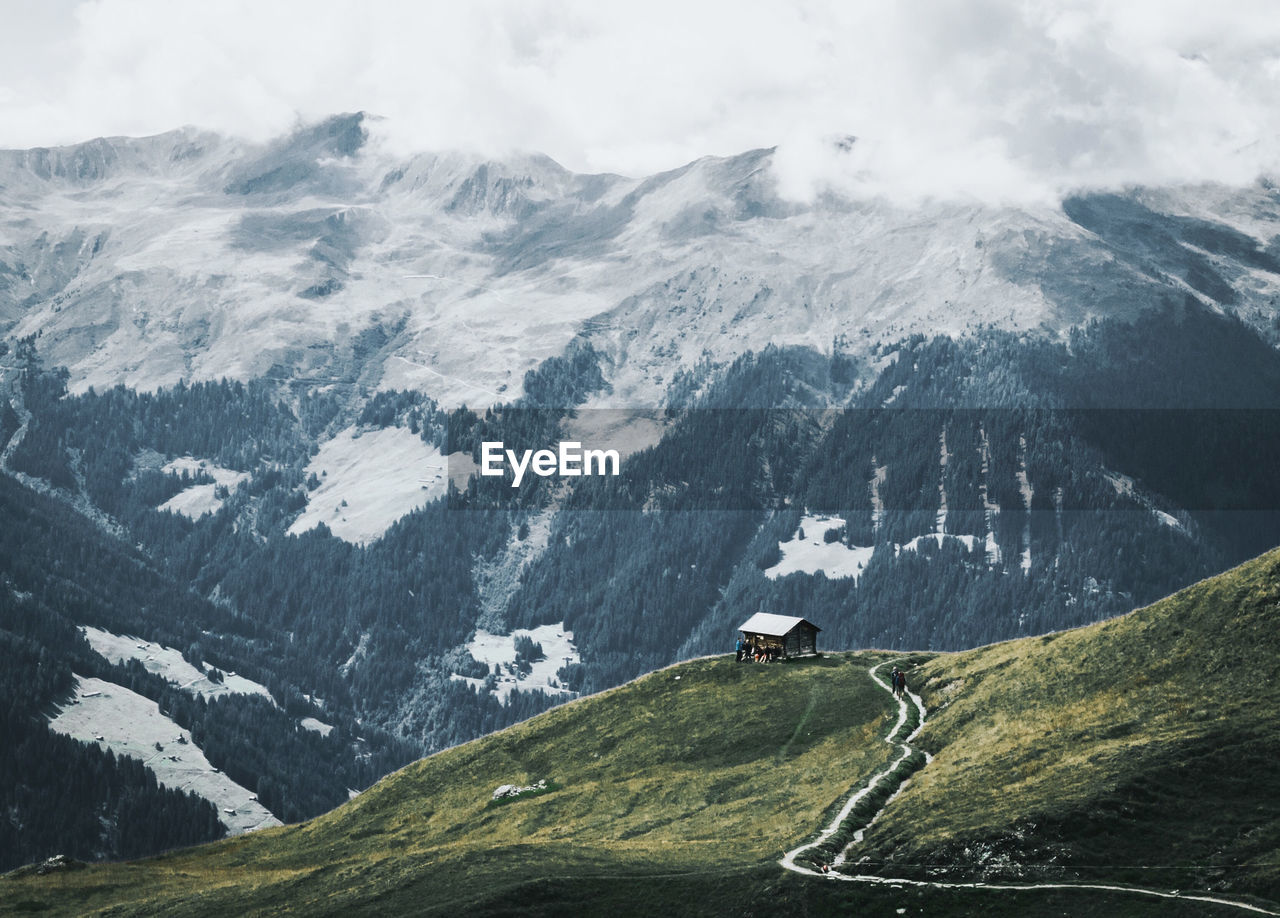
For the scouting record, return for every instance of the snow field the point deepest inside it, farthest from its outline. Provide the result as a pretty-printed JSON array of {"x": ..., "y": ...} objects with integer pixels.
[
  {"x": 128, "y": 724},
  {"x": 318, "y": 726},
  {"x": 812, "y": 554},
  {"x": 835, "y": 559},
  {"x": 368, "y": 480},
  {"x": 169, "y": 664},
  {"x": 197, "y": 500},
  {"x": 490, "y": 649}
]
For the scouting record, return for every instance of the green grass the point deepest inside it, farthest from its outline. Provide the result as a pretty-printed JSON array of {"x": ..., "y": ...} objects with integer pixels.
[
  {"x": 1141, "y": 750},
  {"x": 703, "y": 770}
]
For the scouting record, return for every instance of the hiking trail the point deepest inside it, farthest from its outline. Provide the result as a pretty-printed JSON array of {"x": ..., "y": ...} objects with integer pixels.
[{"x": 904, "y": 745}]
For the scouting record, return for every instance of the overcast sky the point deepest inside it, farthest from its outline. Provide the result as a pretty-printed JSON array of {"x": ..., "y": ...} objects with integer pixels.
[{"x": 995, "y": 98}]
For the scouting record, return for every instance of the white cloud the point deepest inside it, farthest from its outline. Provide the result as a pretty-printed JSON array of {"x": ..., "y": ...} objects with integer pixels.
[{"x": 994, "y": 98}]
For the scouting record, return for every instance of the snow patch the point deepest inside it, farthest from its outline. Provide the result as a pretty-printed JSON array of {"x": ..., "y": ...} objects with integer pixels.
[
  {"x": 500, "y": 649},
  {"x": 813, "y": 554},
  {"x": 169, "y": 664},
  {"x": 128, "y": 724},
  {"x": 318, "y": 726},
  {"x": 197, "y": 500},
  {"x": 368, "y": 480}
]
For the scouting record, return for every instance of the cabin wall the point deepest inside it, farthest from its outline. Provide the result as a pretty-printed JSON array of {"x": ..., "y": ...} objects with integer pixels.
[{"x": 796, "y": 642}]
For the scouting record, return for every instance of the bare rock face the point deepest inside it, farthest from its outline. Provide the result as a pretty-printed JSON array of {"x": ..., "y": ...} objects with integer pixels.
[
  {"x": 59, "y": 862},
  {"x": 513, "y": 790}
]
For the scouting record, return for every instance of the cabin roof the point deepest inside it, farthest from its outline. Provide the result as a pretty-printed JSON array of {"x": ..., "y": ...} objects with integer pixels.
[{"x": 773, "y": 625}]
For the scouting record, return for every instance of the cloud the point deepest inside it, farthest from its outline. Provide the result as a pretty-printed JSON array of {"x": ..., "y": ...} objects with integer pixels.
[{"x": 1008, "y": 100}]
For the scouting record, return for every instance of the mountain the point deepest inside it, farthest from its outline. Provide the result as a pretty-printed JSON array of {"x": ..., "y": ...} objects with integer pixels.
[
  {"x": 323, "y": 256},
  {"x": 243, "y": 367},
  {"x": 1135, "y": 752}
]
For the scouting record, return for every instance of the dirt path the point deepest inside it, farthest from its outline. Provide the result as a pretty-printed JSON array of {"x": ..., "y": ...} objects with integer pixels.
[
  {"x": 905, "y": 750},
  {"x": 904, "y": 746}
]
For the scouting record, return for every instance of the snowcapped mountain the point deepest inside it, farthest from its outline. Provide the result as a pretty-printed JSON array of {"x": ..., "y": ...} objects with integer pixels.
[
  {"x": 978, "y": 482},
  {"x": 323, "y": 256}
]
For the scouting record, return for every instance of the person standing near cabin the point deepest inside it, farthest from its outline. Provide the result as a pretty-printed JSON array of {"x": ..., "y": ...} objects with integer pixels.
[{"x": 739, "y": 650}]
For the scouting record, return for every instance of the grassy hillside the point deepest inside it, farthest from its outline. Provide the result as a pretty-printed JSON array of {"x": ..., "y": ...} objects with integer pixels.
[
  {"x": 1138, "y": 751},
  {"x": 1143, "y": 749},
  {"x": 709, "y": 767}
]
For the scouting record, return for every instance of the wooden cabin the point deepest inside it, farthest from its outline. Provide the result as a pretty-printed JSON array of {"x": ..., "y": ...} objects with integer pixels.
[{"x": 793, "y": 636}]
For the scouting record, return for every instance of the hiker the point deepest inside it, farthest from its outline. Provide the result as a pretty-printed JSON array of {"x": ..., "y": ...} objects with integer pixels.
[
  {"x": 739, "y": 650},
  {"x": 893, "y": 682},
  {"x": 902, "y": 684}
]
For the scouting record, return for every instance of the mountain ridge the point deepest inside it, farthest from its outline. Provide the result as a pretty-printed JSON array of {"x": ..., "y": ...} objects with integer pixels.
[{"x": 281, "y": 254}]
